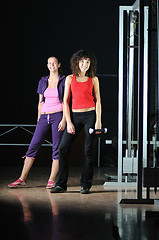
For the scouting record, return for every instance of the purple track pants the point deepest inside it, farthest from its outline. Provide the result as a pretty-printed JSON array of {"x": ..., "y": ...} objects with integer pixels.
[{"x": 46, "y": 123}]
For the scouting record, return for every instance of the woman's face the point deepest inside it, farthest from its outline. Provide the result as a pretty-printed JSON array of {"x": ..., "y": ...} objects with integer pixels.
[
  {"x": 53, "y": 64},
  {"x": 84, "y": 64}
]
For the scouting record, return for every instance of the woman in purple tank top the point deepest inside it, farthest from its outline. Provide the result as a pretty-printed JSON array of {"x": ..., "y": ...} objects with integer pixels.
[{"x": 50, "y": 118}]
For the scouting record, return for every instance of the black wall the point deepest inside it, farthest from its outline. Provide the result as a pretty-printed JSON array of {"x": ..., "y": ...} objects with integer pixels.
[{"x": 34, "y": 30}]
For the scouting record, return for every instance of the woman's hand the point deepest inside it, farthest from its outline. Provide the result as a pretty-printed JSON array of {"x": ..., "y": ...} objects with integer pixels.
[
  {"x": 98, "y": 125},
  {"x": 62, "y": 125},
  {"x": 70, "y": 128}
]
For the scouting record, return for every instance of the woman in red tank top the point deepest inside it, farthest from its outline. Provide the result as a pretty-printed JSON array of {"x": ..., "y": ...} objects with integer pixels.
[{"x": 85, "y": 113}]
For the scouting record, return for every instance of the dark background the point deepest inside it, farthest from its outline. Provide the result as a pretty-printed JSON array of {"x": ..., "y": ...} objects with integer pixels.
[{"x": 34, "y": 30}]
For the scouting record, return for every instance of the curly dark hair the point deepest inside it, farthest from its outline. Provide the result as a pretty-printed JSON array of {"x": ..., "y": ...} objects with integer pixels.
[{"x": 83, "y": 54}]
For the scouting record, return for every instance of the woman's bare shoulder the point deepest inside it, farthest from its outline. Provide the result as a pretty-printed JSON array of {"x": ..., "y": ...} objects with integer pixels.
[{"x": 69, "y": 78}]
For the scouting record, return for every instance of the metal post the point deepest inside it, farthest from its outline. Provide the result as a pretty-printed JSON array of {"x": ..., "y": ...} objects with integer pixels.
[
  {"x": 145, "y": 87},
  {"x": 120, "y": 95},
  {"x": 140, "y": 100},
  {"x": 130, "y": 79}
]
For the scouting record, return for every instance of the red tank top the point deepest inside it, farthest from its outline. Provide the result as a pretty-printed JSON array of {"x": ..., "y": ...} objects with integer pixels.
[{"x": 82, "y": 94}]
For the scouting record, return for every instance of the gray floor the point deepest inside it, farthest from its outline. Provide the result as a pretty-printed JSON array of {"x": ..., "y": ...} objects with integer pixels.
[{"x": 32, "y": 212}]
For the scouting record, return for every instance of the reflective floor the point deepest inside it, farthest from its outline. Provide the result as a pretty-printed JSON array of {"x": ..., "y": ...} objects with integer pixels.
[{"x": 32, "y": 212}]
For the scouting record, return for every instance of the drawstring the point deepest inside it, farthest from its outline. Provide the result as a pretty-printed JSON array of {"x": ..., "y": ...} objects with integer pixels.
[{"x": 48, "y": 117}]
